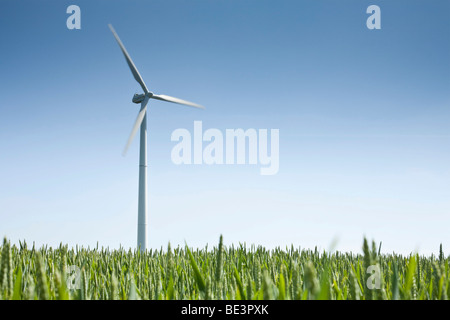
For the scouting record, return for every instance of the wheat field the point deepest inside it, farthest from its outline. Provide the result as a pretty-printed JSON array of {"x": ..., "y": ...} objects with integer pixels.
[{"x": 220, "y": 273}]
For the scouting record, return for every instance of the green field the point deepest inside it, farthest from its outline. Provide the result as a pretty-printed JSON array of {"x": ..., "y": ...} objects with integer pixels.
[{"x": 220, "y": 273}]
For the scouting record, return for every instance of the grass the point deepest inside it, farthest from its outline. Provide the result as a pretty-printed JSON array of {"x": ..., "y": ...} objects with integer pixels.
[{"x": 223, "y": 273}]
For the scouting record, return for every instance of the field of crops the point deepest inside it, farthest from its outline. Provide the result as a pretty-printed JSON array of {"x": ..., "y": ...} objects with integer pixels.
[{"x": 220, "y": 273}]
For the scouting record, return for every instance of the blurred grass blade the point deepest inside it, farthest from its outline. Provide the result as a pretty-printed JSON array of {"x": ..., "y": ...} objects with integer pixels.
[
  {"x": 239, "y": 284},
  {"x": 17, "y": 294},
  {"x": 198, "y": 276}
]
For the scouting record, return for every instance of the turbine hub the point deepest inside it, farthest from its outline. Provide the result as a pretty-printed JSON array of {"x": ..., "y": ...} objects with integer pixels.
[{"x": 150, "y": 94}]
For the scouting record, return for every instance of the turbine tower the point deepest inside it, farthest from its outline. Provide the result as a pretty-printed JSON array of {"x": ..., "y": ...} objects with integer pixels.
[{"x": 141, "y": 122}]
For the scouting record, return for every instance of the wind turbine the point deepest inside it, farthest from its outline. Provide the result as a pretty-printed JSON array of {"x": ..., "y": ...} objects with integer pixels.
[{"x": 142, "y": 122}]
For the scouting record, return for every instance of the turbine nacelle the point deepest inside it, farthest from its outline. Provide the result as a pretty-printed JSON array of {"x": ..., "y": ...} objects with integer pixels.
[{"x": 138, "y": 98}]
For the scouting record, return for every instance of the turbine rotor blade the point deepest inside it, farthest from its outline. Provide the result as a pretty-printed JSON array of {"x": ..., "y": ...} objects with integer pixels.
[
  {"x": 130, "y": 62},
  {"x": 163, "y": 97},
  {"x": 137, "y": 124}
]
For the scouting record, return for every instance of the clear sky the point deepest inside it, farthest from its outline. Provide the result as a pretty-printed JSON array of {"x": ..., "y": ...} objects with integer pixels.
[{"x": 363, "y": 117}]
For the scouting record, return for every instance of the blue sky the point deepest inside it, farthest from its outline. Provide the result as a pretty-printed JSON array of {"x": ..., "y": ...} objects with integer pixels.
[{"x": 363, "y": 118}]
